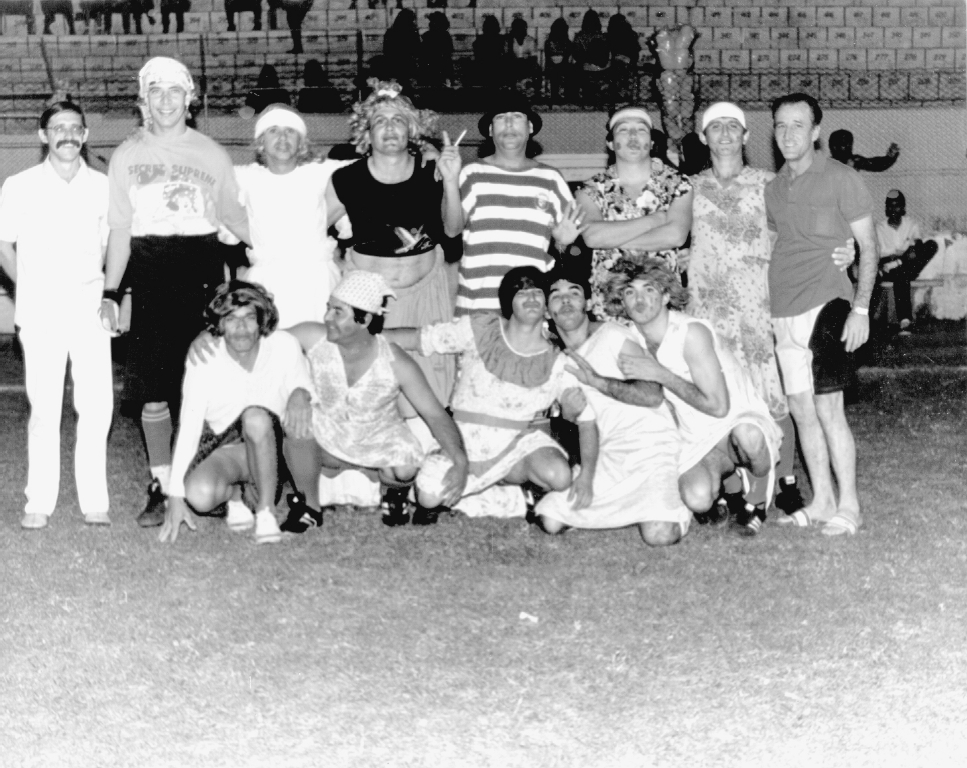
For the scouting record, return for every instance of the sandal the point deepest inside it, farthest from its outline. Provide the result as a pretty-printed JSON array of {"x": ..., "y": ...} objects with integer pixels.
[
  {"x": 840, "y": 525},
  {"x": 798, "y": 519},
  {"x": 396, "y": 506}
]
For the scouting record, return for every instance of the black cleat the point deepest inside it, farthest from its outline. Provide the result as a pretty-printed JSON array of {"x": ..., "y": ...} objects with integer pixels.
[
  {"x": 301, "y": 516},
  {"x": 789, "y": 499},
  {"x": 153, "y": 513},
  {"x": 396, "y": 506}
]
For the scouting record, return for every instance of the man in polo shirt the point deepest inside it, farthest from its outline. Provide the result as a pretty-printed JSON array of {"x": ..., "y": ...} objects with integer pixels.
[
  {"x": 170, "y": 188},
  {"x": 508, "y": 205},
  {"x": 57, "y": 267},
  {"x": 814, "y": 204}
]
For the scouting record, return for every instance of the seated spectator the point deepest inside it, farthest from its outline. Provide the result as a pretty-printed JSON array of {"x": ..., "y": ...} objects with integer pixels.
[
  {"x": 358, "y": 377},
  {"x": 243, "y": 6},
  {"x": 127, "y": 9},
  {"x": 319, "y": 95},
  {"x": 633, "y": 480},
  {"x": 436, "y": 52},
  {"x": 841, "y": 148},
  {"x": 557, "y": 60},
  {"x": 723, "y": 421},
  {"x": 625, "y": 49},
  {"x": 401, "y": 49},
  {"x": 510, "y": 375},
  {"x": 903, "y": 254},
  {"x": 24, "y": 8},
  {"x": 267, "y": 90},
  {"x": 177, "y": 7},
  {"x": 523, "y": 68},
  {"x": 592, "y": 55},
  {"x": 50, "y": 9},
  {"x": 235, "y": 404},
  {"x": 490, "y": 55}
]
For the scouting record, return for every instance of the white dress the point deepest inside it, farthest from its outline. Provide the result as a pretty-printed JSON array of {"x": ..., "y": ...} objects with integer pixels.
[
  {"x": 636, "y": 477},
  {"x": 291, "y": 254}
]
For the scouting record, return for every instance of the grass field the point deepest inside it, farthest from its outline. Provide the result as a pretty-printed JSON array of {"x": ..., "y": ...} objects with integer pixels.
[{"x": 487, "y": 643}]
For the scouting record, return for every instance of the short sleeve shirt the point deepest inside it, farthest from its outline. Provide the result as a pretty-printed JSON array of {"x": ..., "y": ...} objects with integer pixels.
[{"x": 812, "y": 214}]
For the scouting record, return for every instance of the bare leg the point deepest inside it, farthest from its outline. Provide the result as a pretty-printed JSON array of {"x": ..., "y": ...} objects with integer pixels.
[
  {"x": 262, "y": 455},
  {"x": 545, "y": 467},
  {"x": 657, "y": 534},
  {"x": 812, "y": 441},
  {"x": 842, "y": 451}
]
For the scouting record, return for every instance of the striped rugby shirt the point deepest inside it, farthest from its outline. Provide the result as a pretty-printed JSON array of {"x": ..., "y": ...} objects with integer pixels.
[{"x": 508, "y": 220}]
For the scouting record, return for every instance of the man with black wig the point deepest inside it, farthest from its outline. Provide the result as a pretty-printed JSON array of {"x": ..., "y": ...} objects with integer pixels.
[{"x": 235, "y": 404}]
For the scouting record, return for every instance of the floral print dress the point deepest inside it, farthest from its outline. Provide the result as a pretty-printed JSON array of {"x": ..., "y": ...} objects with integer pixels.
[
  {"x": 664, "y": 187},
  {"x": 728, "y": 274}
]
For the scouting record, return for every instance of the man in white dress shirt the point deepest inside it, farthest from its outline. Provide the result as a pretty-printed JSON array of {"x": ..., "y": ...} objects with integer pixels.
[{"x": 53, "y": 232}]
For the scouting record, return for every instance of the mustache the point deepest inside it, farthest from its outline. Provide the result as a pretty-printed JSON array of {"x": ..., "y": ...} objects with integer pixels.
[{"x": 68, "y": 143}]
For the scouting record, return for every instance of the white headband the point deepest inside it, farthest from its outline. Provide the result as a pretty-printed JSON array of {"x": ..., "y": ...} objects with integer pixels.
[
  {"x": 363, "y": 290},
  {"x": 161, "y": 69},
  {"x": 279, "y": 117},
  {"x": 629, "y": 113},
  {"x": 722, "y": 109}
]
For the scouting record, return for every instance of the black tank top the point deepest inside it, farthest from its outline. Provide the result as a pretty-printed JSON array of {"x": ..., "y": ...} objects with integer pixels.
[{"x": 391, "y": 220}]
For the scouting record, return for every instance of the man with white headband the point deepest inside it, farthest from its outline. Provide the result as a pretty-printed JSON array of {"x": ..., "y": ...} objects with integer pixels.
[
  {"x": 170, "y": 190},
  {"x": 284, "y": 194},
  {"x": 358, "y": 377},
  {"x": 637, "y": 208}
]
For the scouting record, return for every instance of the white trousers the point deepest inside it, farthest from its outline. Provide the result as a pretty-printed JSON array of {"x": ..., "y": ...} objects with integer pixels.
[{"x": 79, "y": 337}]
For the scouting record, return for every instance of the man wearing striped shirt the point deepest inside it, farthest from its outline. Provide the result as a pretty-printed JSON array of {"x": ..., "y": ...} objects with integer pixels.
[{"x": 510, "y": 206}]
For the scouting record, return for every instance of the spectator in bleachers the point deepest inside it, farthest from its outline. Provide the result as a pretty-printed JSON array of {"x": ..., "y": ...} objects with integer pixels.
[
  {"x": 295, "y": 14},
  {"x": 401, "y": 49},
  {"x": 625, "y": 50},
  {"x": 267, "y": 90},
  {"x": 171, "y": 189},
  {"x": 57, "y": 268},
  {"x": 490, "y": 55},
  {"x": 841, "y": 148},
  {"x": 51, "y": 8},
  {"x": 637, "y": 208},
  {"x": 436, "y": 54},
  {"x": 319, "y": 95},
  {"x": 592, "y": 55},
  {"x": 903, "y": 254},
  {"x": 511, "y": 206},
  {"x": 523, "y": 68},
  {"x": 129, "y": 9},
  {"x": 243, "y": 6},
  {"x": 177, "y": 7},
  {"x": 23, "y": 8},
  {"x": 557, "y": 60}
]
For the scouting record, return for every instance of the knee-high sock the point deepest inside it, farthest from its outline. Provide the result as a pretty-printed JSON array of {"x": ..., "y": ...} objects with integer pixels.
[
  {"x": 157, "y": 436},
  {"x": 787, "y": 451}
]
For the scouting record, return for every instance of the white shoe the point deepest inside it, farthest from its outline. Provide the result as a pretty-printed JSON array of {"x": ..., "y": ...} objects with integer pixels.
[
  {"x": 33, "y": 521},
  {"x": 267, "y": 529},
  {"x": 97, "y": 518},
  {"x": 240, "y": 517}
]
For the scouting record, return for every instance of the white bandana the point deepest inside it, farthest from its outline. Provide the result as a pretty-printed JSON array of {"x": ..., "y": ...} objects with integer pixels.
[
  {"x": 161, "y": 69},
  {"x": 363, "y": 290},
  {"x": 722, "y": 109},
  {"x": 279, "y": 117}
]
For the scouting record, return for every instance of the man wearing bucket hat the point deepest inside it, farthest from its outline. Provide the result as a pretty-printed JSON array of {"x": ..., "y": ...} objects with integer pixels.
[
  {"x": 170, "y": 188},
  {"x": 284, "y": 194},
  {"x": 510, "y": 205},
  {"x": 637, "y": 208},
  {"x": 358, "y": 377}
]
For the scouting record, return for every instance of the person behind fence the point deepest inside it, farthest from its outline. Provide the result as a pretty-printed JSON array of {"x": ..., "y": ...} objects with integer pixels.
[
  {"x": 235, "y": 406},
  {"x": 557, "y": 60},
  {"x": 522, "y": 67},
  {"x": 510, "y": 206},
  {"x": 819, "y": 319},
  {"x": 723, "y": 421},
  {"x": 58, "y": 273},
  {"x": 170, "y": 190},
  {"x": 841, "y": 149},
  {"x": 510, "y": 375},
  {"x": 178, "y": 8},
  {"x": 358, "y": 377},
  {"x": 634, "y": 477},
  {"x": 436, "y": 52},
  {"x": 284, "y": 194},
  {"x": 637, "y": 208},
  {"x": 50, "y": 9},
  {"x": 903, "y": 255}
]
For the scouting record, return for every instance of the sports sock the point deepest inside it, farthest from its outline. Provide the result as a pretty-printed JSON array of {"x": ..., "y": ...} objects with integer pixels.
[
  {"x": 787, "y": 451},
  {"x": 156, "y": 426}
]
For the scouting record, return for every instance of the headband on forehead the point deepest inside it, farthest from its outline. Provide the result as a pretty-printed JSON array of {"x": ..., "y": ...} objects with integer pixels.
[
  {"x": 722, "y": 109},
  {"x": 629, "y": 113},
  {"x": 363, "y": 290},
  {"x": 279, "y": 117},
  {"x": 161, "y": 69}
]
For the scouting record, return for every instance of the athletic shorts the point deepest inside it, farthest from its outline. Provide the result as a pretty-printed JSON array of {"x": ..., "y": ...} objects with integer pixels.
[
  {"x": 172, "y": 279},
  {"x": 210, "y": 442},
  {"x": 811, "y": 356}
]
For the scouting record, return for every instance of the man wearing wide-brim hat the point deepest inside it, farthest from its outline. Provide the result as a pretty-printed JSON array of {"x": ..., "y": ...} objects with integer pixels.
[{"x": 510, "y": 205}]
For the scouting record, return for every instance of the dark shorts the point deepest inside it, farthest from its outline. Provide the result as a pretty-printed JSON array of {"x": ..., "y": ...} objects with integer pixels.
[
  {"x": 210, "y": 442},
  {"x": 834, "y": 369},
  {"x": 172, "y": 279}
]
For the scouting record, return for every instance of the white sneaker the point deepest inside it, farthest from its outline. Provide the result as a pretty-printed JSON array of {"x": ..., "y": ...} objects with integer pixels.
[
  {"x": 267, "y": 529},
  {"x": 239, "y": 517}
]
